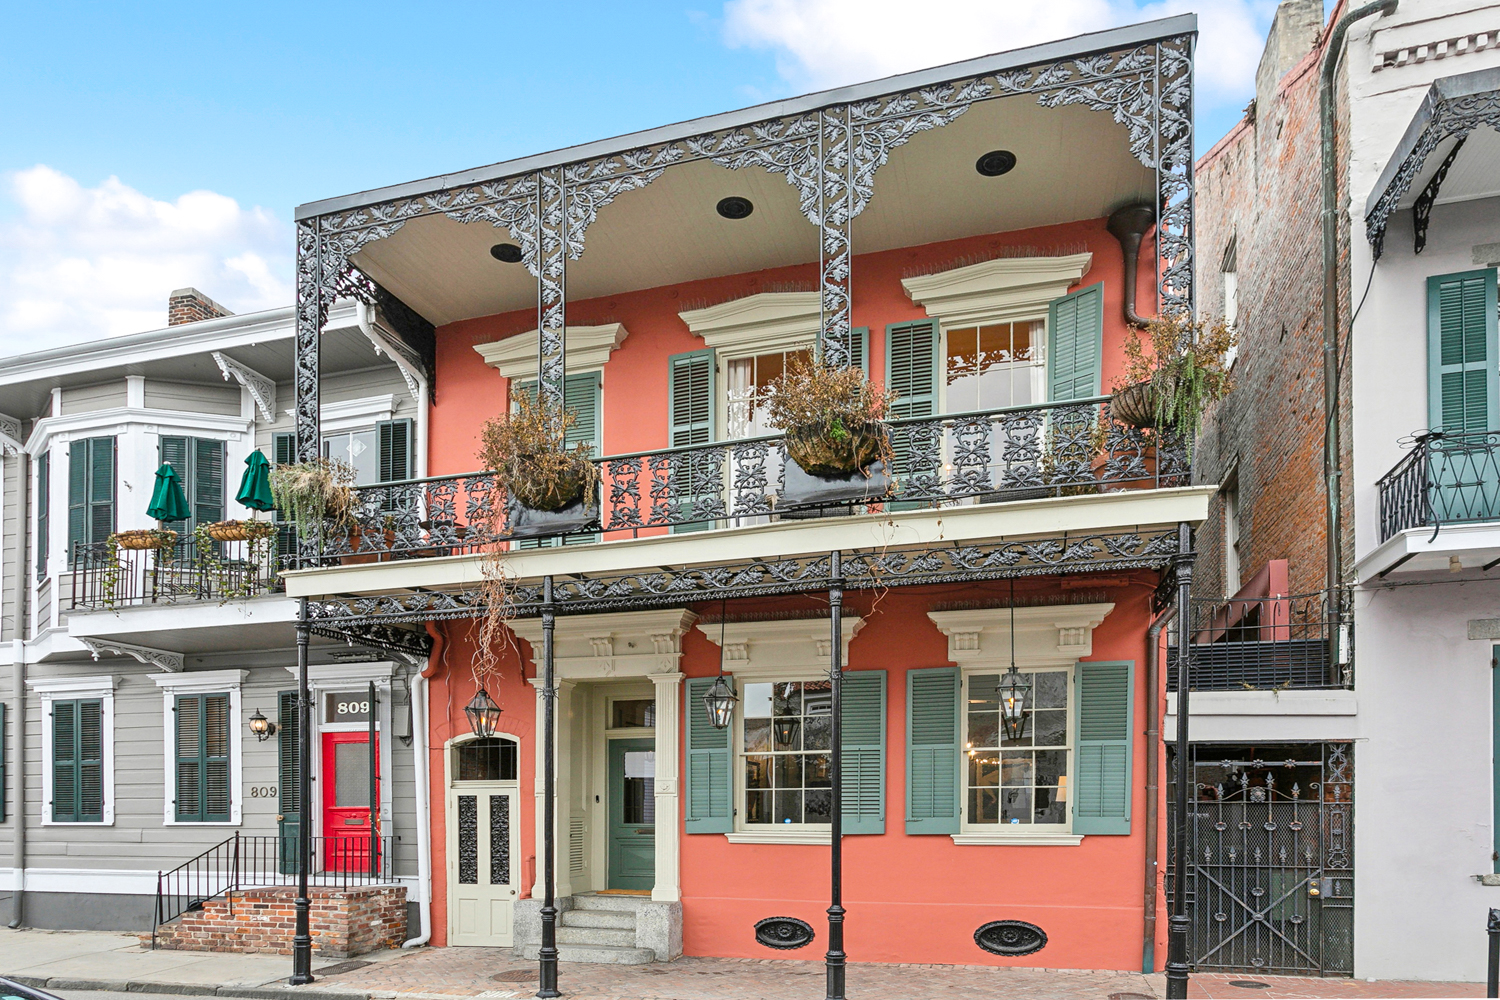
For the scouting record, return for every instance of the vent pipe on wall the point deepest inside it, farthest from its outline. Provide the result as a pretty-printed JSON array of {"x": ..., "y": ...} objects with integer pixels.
[{"x": 1130, "y": 225}]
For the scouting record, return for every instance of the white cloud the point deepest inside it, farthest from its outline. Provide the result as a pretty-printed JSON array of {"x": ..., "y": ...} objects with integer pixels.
[
  {"x": 828, "y": 43},
  {"x": 79, "y": 263}
]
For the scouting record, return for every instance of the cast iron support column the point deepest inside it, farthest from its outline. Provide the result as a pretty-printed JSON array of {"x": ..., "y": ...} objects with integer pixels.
[
  {"x": 835, "y": 956},
  {"x": 1177, "y": 924},
  {"x": 302, "y": 934},
  {"x": 548, "y": 954}
]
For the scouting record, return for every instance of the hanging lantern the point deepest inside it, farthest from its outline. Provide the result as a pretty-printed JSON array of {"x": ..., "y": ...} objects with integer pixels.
[
  {"x": 1014, "y": 690},
  {"x": 262, "y": 727},
  {"x": 720, "y": 703},
  {"x": 484, "y": 714},
  {"x": 786, "y": 729}
]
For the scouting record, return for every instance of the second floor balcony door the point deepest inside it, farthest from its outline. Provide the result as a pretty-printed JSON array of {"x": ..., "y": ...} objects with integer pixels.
[{"x": 200, "y": 468}]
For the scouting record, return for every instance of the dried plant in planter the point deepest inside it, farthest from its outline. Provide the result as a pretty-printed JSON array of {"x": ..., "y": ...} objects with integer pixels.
[
  {"x": 1170, "y": 381},
  {"x": 310, "y": 494},
  {"x": 525, "y": 450},
  {"x": 833, "y": 418}
]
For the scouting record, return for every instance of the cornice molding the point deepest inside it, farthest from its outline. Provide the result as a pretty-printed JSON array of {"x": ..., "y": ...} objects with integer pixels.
[
  {"x": 765, "y": 321},
  {"x": 780, "y": 645},
  {"x": 628, "y": 644},
  {"x": 997, "y": 291},
  {"x": 589, "y": 347},
  {"x": 262, "y": 389}
]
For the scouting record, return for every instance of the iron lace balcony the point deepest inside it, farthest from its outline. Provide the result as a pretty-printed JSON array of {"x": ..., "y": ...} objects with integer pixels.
[
  {"x": 1447, "y": 478},
  {"x": 1269, "y": 643},
  {"x": 104, "y": 577},
  {"x": 990, "y": 456}
]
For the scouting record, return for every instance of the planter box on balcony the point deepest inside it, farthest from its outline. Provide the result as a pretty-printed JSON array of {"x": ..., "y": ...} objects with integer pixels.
[
  {"x": 526, "y": 522},
  {"x": 803, "y": 489}
]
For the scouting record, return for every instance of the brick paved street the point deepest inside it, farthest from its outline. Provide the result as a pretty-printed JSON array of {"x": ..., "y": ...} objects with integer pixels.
[{"x": 466, "y": 972}]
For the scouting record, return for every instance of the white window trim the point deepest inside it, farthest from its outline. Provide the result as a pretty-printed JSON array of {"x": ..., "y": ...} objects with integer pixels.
[
  {"x": 1039, "y": 378},
  {"x": 1046, "y": 637},
  {"x": 1002, "y": 833},
  {"x": 996, "y": 291},
  {"x": 50, "y": 689},
  {"x": 767, "y": 651},
  {"x": 762, "y": 323},
  {"x": 326, "y": 677},
  {"x": 201, "y": 682}
]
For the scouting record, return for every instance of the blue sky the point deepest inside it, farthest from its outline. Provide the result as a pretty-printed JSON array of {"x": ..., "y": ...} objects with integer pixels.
[{"x": 152, "y": 146}]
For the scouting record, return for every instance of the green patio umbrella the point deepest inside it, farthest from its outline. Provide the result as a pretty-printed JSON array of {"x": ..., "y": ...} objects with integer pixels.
[
  {"x": 168, "y": 503},
  {"x": 255, "y": 487}
]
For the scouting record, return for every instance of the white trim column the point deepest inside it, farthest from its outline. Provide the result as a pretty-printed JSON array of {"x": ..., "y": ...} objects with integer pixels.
[
  {"x": 668, "y": 887},
  {"x": 562, "y": 800}
]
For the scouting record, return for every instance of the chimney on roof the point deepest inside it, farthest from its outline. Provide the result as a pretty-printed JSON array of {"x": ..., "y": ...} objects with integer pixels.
[{"x": 188, "y": 305}]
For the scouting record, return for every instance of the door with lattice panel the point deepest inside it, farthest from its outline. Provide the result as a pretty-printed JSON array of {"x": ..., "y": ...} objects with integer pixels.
[{"x": 483, "y": 843}]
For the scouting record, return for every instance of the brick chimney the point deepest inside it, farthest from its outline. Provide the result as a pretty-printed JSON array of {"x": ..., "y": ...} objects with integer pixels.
[{"x": 188, "y": 305}]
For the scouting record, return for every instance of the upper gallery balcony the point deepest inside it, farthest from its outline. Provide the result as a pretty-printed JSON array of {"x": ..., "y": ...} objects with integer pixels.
[
  {"x": 1439, "y": 507},
  {"x": 977, "y": 237}
]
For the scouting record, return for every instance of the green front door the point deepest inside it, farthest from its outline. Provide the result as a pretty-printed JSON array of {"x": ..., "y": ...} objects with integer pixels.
[{"x": 632, "y": 814}]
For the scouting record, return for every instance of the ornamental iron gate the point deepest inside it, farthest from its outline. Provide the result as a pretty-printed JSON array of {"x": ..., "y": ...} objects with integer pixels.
[{"x": 1270, "y": 886}]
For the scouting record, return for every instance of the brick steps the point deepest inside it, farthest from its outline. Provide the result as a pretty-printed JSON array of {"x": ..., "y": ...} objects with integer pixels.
[{"x": 344, "y": 922}]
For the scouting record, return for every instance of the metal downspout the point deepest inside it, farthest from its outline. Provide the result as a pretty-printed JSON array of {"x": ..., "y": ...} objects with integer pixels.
[
  {"x": 1332, "y": 490},
  {"x": 18, "y": 693},
  {"x": 1153, "y": 784},
  {"x": 420, "y": 762}
]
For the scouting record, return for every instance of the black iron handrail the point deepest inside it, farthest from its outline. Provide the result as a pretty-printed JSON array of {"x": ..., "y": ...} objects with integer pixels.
[
  {"x": 1448, "y": 477},
  {"x": 986, "y": 456},
  {"x": 105, "y": 576},
  {"x": 1269, "y": 643},
  {"x": 246, "y": 862}
]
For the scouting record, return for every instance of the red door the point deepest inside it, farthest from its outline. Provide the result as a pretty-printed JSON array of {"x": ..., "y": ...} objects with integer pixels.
[{"x": 348, "y": 780}]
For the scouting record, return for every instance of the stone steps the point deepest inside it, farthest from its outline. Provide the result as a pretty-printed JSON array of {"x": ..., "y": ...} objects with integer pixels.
[
  {"x": 612, "y": 919},
  {"x": 611, "y": 936}
]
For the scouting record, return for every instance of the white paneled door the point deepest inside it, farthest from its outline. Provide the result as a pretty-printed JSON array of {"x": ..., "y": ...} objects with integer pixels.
[{"x": 483, "y": 863}]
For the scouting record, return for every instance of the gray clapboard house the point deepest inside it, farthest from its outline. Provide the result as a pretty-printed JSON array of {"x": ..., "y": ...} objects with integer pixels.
[{"x": 129, "y": 677}]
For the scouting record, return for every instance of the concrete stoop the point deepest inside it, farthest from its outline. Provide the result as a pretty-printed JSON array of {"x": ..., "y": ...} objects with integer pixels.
[{"x": 613, "y": 930}]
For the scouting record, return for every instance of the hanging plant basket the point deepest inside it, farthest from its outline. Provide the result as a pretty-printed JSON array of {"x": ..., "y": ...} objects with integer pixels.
[
  {"x": 238, "y": 531},
  {"x": 522, "y": 520},
  {"x": 145, "y": 538},
  {"x": 1135, "y": 405}
]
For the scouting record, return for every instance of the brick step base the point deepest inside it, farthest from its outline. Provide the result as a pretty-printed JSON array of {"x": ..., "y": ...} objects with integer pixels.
[{"x": 344, "y": 922}]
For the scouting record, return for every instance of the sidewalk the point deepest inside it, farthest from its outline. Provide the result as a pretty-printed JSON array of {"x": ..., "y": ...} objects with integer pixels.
[{"x": 81, "y": 960}]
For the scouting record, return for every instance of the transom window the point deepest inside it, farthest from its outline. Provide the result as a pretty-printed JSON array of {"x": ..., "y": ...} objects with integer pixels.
[
  {"x": 632, "y": 713},
  {"x": 995, "y": 365},
  {"x": 786, "y": 730},
  {"x": 749, "y": 378},
  {"x": 492, "y": 759},
  {"x": 1018, "y": 781}
]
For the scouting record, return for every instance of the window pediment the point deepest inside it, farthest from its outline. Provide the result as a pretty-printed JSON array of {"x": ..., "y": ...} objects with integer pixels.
[
  {"x": 789, "y": 647},
  {"x": 589, "y": 347},
  {"x": 763, "y": 322},
  {"x": 1050, "y": 634},
  {"x": 997, "y": 291}
]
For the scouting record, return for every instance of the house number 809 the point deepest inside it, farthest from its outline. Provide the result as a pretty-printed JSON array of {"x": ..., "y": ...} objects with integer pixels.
[{"x": 262, "y": 791}]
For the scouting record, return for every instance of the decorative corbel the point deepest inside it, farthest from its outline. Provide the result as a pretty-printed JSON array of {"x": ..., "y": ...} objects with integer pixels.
[
  {"x": 262, "y": 389},
  {"x": 10, "y": 435},
  {"x": 385, "y": 342},
  {"x": 166, "y": 660}
]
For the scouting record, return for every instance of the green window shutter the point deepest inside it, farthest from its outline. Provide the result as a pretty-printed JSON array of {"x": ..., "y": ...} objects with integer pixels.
[
  {"x": 1075, "y": 343},
  {"x": 583, "y": 398},
  {"x": 911, "y": 367},
  {"x": 1101, "y": 801},
  {"x": 78, "y": 497},
  {"x": 78, "y": 761},
  {"x": 690, "y": 387},
  {"x": 101, "y": 488},
  {"x": 284, "y": 448},
  {"x": 43, "y": 512},
  {"x": 860, "y": 336},
  {"x": 288, "y": 725},
  {"x": 692, "y": 400},
  {"x": 932, "y": 749},
  {"x": 708, "y": 785},
  {"x": 208, "y": 481},
  {"x": 1463, "y": 390},
  {"x": 4, "y": 758},
  {"x": 395, "y": 450},
  {"x": 202, "y": 722},
  {"x": 863, "y": 720},
  {"x": 177, "y": 452}
]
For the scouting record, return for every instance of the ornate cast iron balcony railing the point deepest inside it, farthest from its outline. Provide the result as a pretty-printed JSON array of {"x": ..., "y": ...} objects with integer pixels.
[
  {"x": 1269, "y": 643},
  {"x": 993, "y": 456},
  {"x": 1447, "y": 478},
  {"x": 127, "y": 577}
]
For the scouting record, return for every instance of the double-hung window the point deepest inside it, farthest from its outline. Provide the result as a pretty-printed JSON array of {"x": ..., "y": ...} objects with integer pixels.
[
  {"x": 200, "y": 469},
  {"x": 785, "y": 733},
  {"x": 995, "y": 365},
  {"x": 1017, "y": 780},
  {"x": 78, "y": 760}
]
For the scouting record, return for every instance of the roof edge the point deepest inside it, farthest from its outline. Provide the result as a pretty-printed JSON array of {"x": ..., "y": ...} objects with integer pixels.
[{"x": 1077, "y": 45}]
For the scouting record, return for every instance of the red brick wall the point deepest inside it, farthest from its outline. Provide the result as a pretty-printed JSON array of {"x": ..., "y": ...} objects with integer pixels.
[
  {"x": 1260, "y": 187},
  {"x": 344, "y": 922},
  {"x": 188, "y": 305}
]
